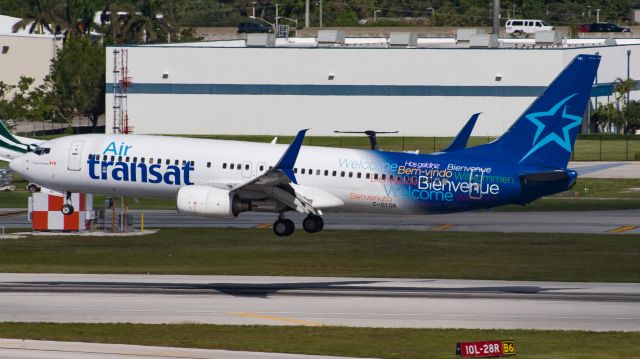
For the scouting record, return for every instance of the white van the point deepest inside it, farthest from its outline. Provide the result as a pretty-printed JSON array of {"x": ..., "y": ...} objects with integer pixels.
[{"x": 526, "y": 26}]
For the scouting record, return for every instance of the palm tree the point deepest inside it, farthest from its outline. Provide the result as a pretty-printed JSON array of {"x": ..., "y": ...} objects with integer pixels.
[
  {"x": 42, "y": 15},
  {"x": 622, "y": 88},
  {"x": 79, "y": 15},
  {"x": 141, "y": 23}
]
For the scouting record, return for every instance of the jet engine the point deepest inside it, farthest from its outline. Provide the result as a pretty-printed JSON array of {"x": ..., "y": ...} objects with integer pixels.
[{"x": 210, "y": 202}]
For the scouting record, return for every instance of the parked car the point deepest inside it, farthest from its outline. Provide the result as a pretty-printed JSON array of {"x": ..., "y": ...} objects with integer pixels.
[
  {"x": 526, "y": 26},
  {"x": 602, "y": 27},
  {"x": 253, "y": 27}
]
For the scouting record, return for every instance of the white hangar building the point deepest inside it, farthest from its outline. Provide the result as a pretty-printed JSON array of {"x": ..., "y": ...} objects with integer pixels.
[{"x": 229, "y": 88}]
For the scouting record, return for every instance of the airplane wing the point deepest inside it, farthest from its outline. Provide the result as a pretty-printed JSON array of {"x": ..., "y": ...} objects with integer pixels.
[
  {"x": 460, "y": 142},
  {"x": 279, "y": 183}
]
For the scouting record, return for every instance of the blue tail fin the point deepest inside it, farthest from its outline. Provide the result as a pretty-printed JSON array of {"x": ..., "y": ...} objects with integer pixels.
[{"x": 545, "y": 133}]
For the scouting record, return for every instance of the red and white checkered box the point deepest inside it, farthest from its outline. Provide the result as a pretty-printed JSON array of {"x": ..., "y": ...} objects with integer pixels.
[{"x": 45, "y": 212}]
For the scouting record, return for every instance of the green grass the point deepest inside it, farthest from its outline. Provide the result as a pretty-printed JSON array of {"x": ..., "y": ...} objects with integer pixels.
[
  {"x": 342, "y": 341},
  {"x": 411, "y": 254},
  {"x": 587, "y": 148}
]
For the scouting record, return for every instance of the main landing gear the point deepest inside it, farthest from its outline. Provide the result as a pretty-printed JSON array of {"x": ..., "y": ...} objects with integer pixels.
[
  {"x": 283, "y": 227},
  {"x": 67, "y": 208}
]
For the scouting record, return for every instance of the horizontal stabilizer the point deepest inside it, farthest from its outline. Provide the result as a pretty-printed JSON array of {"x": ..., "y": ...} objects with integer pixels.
[{"x": 461, "y": 140}]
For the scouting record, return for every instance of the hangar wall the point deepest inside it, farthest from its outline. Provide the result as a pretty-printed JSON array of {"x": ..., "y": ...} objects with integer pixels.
[
  {"x": 26, "y": 55},
  {"x": 277, "y": 91}
]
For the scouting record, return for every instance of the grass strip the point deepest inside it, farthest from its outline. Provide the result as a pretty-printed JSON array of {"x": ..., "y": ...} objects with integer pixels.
[
  {"x": 410, "y": 254},
  {"x": 344, "y": 341}
]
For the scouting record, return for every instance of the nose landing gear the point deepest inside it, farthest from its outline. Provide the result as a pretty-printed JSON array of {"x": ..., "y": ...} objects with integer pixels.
[{"x": 67, "y": 208}]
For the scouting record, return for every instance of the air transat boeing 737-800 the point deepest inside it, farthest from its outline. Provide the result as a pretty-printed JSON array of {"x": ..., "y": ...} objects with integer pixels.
[{"x": 216, "y": 178}]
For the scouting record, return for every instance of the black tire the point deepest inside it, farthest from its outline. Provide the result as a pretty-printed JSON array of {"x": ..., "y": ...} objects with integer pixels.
[
  {"x": 67, "y": 209},
  {"x": 33, "y": 188},
  {"x": 313, "y": 224},
  {"x": 283, "y": 227}
]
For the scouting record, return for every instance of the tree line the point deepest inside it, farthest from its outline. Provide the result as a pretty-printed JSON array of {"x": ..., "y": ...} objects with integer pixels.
[{"x": 197, "y": 13}]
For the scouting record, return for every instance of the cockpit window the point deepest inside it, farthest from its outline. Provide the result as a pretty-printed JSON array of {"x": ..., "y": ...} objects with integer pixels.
[{"x": 42, "y": 151}]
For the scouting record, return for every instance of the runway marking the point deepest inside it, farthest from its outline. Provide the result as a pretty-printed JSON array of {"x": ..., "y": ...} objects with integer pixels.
[
  {"x": 623, "y": 229},
  {"x": 264, "y": 225},
  {"x": 442, "y": 227},
  {"x": 278, "y": 319}
]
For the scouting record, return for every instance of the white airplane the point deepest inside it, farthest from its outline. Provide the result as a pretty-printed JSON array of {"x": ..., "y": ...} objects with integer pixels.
[{"x": 221, "y": 179}]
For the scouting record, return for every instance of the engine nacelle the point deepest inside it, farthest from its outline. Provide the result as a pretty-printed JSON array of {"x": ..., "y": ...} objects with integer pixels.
[{"x": 210, "y": 202}]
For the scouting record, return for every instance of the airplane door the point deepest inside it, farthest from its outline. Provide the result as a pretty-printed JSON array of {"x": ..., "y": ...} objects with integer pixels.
[
  {"x": 247, "y": 169},
  {"x": 75, "y": 155},
  {"x": 475, "y": 184}
]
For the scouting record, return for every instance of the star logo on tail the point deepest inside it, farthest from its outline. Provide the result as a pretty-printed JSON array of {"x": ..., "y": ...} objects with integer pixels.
[{"x": 562, "y": 138}]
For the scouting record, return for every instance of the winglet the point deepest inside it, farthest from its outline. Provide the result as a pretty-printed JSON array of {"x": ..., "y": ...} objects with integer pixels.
[
  {"x": 460, "y": 142},
  {"x": 288, "y": 159}
]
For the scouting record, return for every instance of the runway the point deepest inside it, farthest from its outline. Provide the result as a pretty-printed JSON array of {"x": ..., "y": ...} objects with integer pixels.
[
  {"x": 627, "y": 221},
  {"x": 359, "y": 302},
  {"x": 44, "y": 349}
]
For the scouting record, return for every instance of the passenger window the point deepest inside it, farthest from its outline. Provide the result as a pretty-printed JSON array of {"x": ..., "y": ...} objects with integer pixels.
[
  {"x": 97, "y": 157},
  {"x": 367, "y": 176},
  {"x": 310, "y": 171},
  {"x": 359, "y": 175},
  {"x": 135, "y": 159},
  {"x": 119, "y": 158},
  {"x": 167, "y": 162},
  {"x": 113, "y": 158},
  {"x": 246, "y": 167},
  {"x": 159, "y": 161},
  {"x": 326, "y": 172},
  {"x": 193, "y": 163},
  {"x": 127, "y": 159},
  {"x": 261, "y": 168},
  {"x": 318, "y": 172},
  {"x": 239, "y": 167},
  {"x": 295, "y": 170},
  {"x": 334, "y": 173},
  {"x": 350, "y": 174},
  {"x": 341, "y": 173},
  {"x": 142, "y": 160},
  {"x": 384, "y": 176},
  {"x": 302, "y": 170},
  {"x": 231, "y": 166},
  {"x": 208, "y": 164},
  {"x": 224, "y": 166},
  {"x": 391, "y": 177},
  {"x": 375, "y": 176},
  {"x": 177, "y": 162}
]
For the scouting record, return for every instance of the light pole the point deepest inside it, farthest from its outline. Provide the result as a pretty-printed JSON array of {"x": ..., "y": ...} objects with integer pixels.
[
  {"x": 375, "y": 13},
  {"x": 253, "y": 13},
  {"x": 597, "y": 15},
  {"x": 320, "y": 10},
  {"x": 306, "y": 13},
  {"x": 628, "y": 71}
]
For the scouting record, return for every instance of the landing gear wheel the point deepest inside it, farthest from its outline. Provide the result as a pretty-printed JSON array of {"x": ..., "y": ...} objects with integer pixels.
[
  {"x": 67, "y": 209},
  {"x": 283, "y": 227},
  {"x": 313, "y": 223}
]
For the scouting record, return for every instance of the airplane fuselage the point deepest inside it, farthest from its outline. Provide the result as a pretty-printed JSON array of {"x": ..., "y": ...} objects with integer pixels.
[{"x": 365, "y": 180}]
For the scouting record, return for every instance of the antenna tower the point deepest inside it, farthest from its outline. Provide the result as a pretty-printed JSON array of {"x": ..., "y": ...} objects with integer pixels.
[{"x": 121, "y": 83}]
